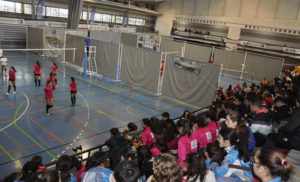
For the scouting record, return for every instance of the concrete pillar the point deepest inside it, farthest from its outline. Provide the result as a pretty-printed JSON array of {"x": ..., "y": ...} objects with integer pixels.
[
  {"x": 33, "y": 9},
  {"x": 75, "y": 8}
]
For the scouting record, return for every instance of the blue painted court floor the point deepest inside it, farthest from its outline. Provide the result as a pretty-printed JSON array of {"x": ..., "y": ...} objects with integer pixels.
[{"x": 25, "y": 130}]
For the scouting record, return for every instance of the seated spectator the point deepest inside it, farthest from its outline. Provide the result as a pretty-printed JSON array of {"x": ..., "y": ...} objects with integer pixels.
[
  {"x": 50, "y": 176},
  {"x": 264, "y": 81},
  {"x": 131, "y": 131},
  {"x": 236, "y": 155},
  {"x": 77, "y": 168},
  {"x": 261, "y": 124},
  {"x": 213, "y": 125},
  {"x": 270, "y": 165},
  {"x": 186, "y": 115},
  {"x": 165, "y": 169},
  {"x": 38, "y": 159},
  {"x": 197, "y": 170},
  {"x": 145, "y": 161},
  {"x": 97, "y": 169},
  {"x": 240, "y": 106},
  {"x": 245, "y": 135},
  {"x": 288, "y": 136},
  {"x": 117, "y": 146},
  {"x": 127, "y": 171},
  {"x": 214, "y": 155},
  {"x": 186, "y": 143},
  {"x": 169, "y": 122},
  {"x": 29, "y": 172},
  {"x": 147, "y": 135},
  {"x": 64, "y": 166},
  {"x": 280, "y": 111},
  {"x": 202, "y": 133},
  {"x": 12, "y": 177}
]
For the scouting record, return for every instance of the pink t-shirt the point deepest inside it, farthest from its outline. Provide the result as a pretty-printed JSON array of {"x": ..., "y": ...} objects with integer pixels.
[
  {"x": 37, "y": 69},
  {"x": 214, "y": 129},
  {"x": 53, "y": 69},
  {"x": 203, "y": 136},
  {"x": 48, "y": 90},
  {"x": 147, "y": 137},
  {"x": 73, "y": 86},
  {"x": 186, "y": 145},
  {"x": 172, "y": 145}
]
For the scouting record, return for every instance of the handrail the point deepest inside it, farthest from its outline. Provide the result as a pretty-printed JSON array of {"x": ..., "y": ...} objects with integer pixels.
[{"x": 88, "y": 151}]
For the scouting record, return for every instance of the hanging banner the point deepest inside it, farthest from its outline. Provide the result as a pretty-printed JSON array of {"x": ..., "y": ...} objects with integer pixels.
[
  {"x": 125, "y": 18},
  {"x": 40, "y": 9},
  {"x": 93, "y": 15},
  {"x": 149, "y": 42},
  {"x": 186, "y": 64}
]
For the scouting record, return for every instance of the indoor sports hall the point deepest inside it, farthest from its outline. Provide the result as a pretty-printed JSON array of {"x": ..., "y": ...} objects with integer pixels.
[{"x": 76, "y": 76}]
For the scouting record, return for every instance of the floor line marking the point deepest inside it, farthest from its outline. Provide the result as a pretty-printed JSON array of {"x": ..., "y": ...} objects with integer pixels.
[
  {"x": 11, "y": 157},
  {"x": 10, "y": 104},
  {"x": 112, "y": 117}
]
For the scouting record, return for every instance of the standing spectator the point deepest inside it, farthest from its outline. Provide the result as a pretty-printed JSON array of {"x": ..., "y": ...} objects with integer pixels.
[{"x": 117, "y": 146}]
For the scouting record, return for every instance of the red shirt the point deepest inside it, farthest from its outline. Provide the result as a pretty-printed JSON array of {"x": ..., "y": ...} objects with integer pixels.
[
  {"x": 37, "y": 69},
  {"x": 53, "y": 69},
  {"x": 53, "y": 80},
  {"x": 48, "y": 90},
  {"x": 12, "y": 75},
  {"x": 73, "y": 86},
  {"x": 214, "y": 129}
]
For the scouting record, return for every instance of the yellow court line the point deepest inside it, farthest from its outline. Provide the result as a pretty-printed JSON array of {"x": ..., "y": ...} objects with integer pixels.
[{"x": 11, "y": 157}]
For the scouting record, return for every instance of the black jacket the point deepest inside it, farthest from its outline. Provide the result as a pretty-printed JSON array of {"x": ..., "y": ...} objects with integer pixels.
[
  {"x": 292, "y": 130},
  {"x": 117, "y": 147}
]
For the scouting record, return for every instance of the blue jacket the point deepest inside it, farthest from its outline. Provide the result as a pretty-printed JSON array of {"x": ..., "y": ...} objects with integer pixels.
[
  {"x": 98, "y": 174},
  {"x": 225, "y": 171},
  {"x": 251, "y": 144},
  {"x": 278, "y": 179}
]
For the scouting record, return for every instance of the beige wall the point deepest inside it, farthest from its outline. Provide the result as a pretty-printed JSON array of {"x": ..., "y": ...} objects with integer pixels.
[{"x": 273, "y": 13}]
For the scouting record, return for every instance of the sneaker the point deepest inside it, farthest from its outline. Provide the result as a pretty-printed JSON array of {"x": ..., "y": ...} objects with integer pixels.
[
  {"x": 7, "y": 94},
  {"x": 14, "y": 92}
]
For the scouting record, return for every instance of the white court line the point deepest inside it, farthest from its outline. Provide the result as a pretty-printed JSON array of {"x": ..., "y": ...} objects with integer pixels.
[{"x": 17, "y": 119}]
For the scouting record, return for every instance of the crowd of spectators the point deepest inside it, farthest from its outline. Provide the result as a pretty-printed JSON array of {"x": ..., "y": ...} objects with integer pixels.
[{"x": 239, "y": 138}]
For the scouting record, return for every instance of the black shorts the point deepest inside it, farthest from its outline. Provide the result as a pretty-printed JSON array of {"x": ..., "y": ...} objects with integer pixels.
[
  {"x": 73, "y": 92},
  {"x": 12, "y": 80},
  {"x": 37, "y": 74}
]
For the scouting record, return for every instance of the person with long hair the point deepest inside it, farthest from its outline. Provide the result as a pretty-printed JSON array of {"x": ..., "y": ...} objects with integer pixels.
[
  {"x": 145, "y": 160},
  {"x": 52, "y": 79},
  {"x": 50, "y": 176},
  {"x": 48, "y": 90},
  {"x": 53, "y": 70},
  {"x": 197, "y": 170},
  {"x": 213, "y": 125},
  {"x": 3, "y": 61},
  {"x": 165, "y": 169},
  {"x": 186, "y": 143},
  {"x": 214, "y": 155},
  {"x": 202, "y": 133},
  {"x": 147, "y": 135},
  {"x": 97, "y": 169},
  {"x": 37, "y": 71},
  {"x": 234, "y": 121},
  {"x": 270, "y": 165},
  {"x": 236, "y": 155},
  {"x": 64, "y": 166},
  {"x": 12, "y": 80},
  {"x": 73, "y": 90}
]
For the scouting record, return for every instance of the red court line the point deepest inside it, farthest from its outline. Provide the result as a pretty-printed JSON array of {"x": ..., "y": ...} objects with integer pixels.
[
  {"x": 25, "y": 147},
  {"x": 47, "y": 131},
  {"x": 119, "y": 112},
  {"x": 68, "y": 108},
  {"x": 1, "y": 122},
  {"x": 10, "y": 104},
  {"x": 110, "y": 106},
  {"x": 73, "y": 122}
]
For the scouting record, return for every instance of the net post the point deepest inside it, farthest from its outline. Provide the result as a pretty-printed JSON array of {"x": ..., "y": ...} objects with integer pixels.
[
  {"x": 243, "y": 66},
  {"x": 219, "y": 81}
]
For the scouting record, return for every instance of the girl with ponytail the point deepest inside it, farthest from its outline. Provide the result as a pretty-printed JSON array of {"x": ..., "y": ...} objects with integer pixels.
[
  {"x": 64, "y": 166},
  {"x": 37, "y": 70},
  {"x": 237, "y": 155},
  {"x": 270, "y": 165},
  {"x": 73, "y": 90},
  {"x": 12, "y": 80}
]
